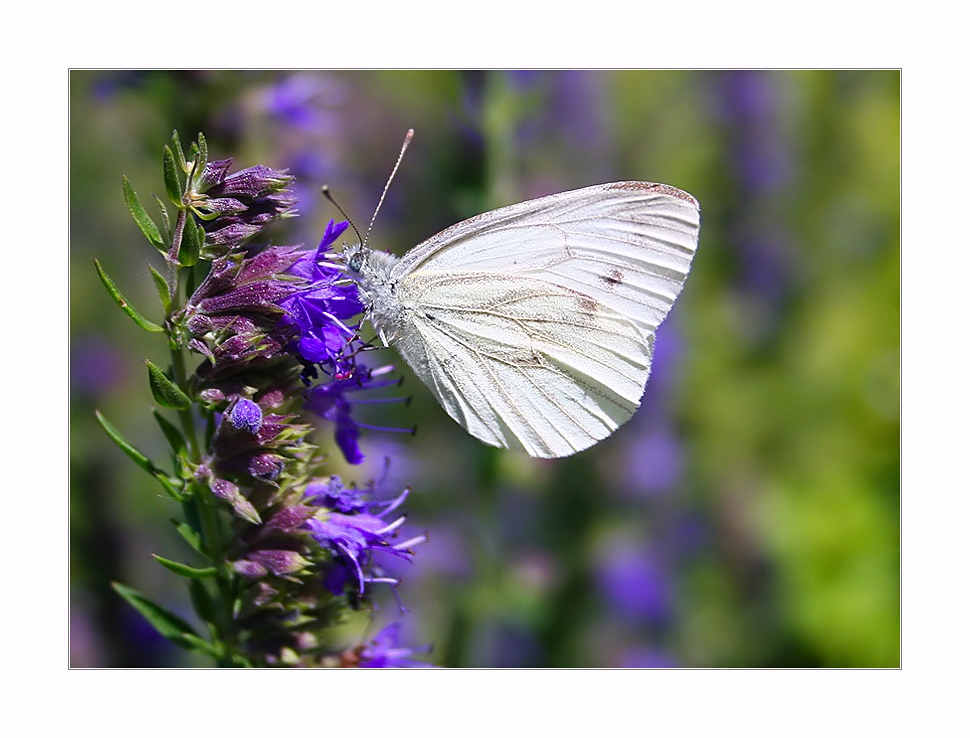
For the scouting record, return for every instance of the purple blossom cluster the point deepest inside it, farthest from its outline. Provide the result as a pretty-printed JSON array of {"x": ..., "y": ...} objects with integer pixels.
[{"x": 275, "y": 328}]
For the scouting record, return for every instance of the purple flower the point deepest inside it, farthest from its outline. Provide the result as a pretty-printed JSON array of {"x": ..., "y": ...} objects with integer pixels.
[
  {"x": 331, "y": 402},
  {"x": 382, "y": 652},
  {"x": 319, "y": 309},
  {"x": 332, "y": 494},
  {"x": 353, "y": 538}
]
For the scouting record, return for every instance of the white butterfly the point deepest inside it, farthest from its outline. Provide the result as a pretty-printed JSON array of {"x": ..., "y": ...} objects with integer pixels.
[{"x": 534, "y": 324}]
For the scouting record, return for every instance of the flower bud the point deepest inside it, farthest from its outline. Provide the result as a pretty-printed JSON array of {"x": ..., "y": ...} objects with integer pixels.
[{"x": 245, "y": 415}]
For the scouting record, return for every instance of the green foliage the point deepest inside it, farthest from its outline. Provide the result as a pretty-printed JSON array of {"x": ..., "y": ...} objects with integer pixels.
[
  {"x": 166, "y": 392},
  {"x": 166, "y": 622},
  {"x": 142, "y": 219},
  {"x": 123, "y": 303}
]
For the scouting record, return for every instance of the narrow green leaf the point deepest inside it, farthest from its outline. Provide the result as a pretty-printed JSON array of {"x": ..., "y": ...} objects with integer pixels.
[
  {"x": 165, "y": 219},
  {"x": 194, "y": 643},
  {"x": 165, "y": 391},
  {"x": 174, "y": 436},
  {"x": 162, "y": 286},
  {"x": 171, "y": 486},
  {"x": 183, "y": 570},
  {"x": 191, "y": 536},
  {"x": 173, "y": 187},
  {"x": 123, "y": 303},
  {"x": 203, "y": 150},
  {"x": 202, "y": 601},
  {"x": 165, "y": 622},
  {"x": 240, "y": 661},
  {"x": 142, "y": 219},
  {"x": 133, "y": 453},
  {"x": 179, "y": 151},
  {"x": 192, "y": 237}
]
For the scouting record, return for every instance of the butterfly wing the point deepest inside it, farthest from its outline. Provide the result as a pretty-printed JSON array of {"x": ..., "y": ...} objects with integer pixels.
[
  {"x": 534, "y": 324},
  {"x": 627, "y": 245},
  {"x": 522, "y": 363}
]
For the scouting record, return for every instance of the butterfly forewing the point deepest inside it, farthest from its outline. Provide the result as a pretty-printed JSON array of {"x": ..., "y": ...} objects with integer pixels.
[{"x": 627, "y": 245}]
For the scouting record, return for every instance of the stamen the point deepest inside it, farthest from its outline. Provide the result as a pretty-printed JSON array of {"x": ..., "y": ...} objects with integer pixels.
[
  {"x": 410, "y": 542},
  {"x": 392, "y": 526},
  {"x": 396, "y": 502}
]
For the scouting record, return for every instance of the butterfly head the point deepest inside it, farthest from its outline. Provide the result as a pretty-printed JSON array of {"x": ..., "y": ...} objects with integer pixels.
[{"x": 356, "y": 258}]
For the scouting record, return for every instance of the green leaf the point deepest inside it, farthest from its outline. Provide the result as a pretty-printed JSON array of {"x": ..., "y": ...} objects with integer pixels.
[
  {"x": 194, "y": 643},
  {"x": 183, "y": 570},
  {"x": 133, "y": 453},
  {"x": 142, "y": 219},
  {"x": 202, "y": 601},
  {"x": 191, "y": 536},
  {"x": 240, "y": 661},
  {"x": 203, "y": 150},
  {"x": 164, "y": 213},
  {"x": 165, "y": 622},
  {"x": 173, "y": 187},
  {"x": 171, "y": 486},
  {"x": 165, "y": 391},
  {"x": 162, "y": 286},
  {"x": 123, "y": 303},
  {"x": 192, "y": 237},
  {"x": 178, "y": 150},
  {"x": 174, "y": 436}
]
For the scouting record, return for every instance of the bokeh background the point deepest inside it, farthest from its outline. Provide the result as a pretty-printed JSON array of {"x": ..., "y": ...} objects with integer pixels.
[{"x": 747, "y": 516}]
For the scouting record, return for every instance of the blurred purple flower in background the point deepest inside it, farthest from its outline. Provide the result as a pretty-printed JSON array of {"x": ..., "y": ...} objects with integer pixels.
[
  {"x": 759, "y": 157},
  {"x": 308, "y": 100},
  {"x": 749, "y": 102},
  {"x": 646, "y": 657},
  {"x": 655, "y": 464},
  {"x": 633, "y": 583},
  {"x": 96, "y": 366}
]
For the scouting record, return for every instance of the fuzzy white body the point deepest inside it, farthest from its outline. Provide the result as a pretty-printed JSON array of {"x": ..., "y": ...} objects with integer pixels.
[{"x": 533, "y": 325}]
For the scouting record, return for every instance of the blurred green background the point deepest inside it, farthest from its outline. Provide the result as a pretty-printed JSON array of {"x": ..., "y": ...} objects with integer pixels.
[{"x": 747, "y": 516}]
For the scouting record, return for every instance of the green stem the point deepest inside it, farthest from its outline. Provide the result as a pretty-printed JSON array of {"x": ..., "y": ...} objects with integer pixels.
[
  {"x": 185, "y": 416},
  {"x": 175, "y": 282}
]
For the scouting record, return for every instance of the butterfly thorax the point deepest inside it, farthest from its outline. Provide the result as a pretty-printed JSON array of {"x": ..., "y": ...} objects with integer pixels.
[{"x": 372, "y": 272}]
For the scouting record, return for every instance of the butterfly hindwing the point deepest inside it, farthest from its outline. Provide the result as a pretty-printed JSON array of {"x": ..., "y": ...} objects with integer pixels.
[{"x": 523, "y": 363}]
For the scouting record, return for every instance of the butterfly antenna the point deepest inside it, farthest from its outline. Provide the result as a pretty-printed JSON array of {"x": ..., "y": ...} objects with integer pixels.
[
  {"x": 326, "y": 193},
  {"x": 407, "y": 140}
]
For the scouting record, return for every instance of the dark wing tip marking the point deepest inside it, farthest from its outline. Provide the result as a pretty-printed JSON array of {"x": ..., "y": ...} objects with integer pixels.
[{"x": 654, "y": 187}]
